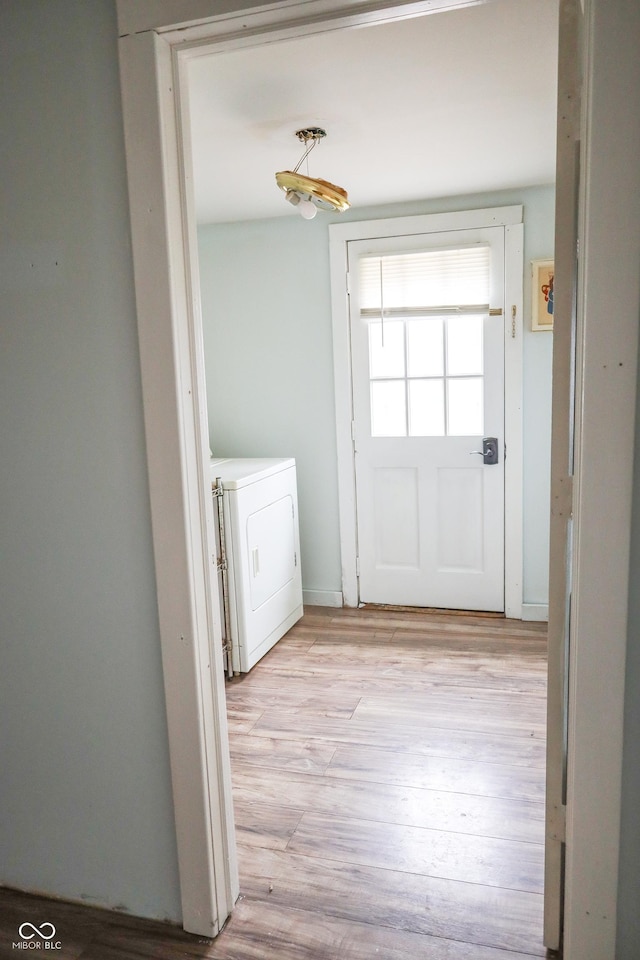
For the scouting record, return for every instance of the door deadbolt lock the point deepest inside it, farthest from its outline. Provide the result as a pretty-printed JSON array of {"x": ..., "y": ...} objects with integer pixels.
[{"x": 489, "y": 452}]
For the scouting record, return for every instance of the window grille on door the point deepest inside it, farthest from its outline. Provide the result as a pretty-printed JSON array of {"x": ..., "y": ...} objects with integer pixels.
[{"x": 425, "y": 313}]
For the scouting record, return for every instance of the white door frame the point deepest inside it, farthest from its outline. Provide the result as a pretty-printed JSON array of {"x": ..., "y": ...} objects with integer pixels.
[
  {"x": 175, "y": 420},
  {"x": 340, "y": 235},
  {"x": 564, "y": 291},
  {"x": 608, "y": 295}
]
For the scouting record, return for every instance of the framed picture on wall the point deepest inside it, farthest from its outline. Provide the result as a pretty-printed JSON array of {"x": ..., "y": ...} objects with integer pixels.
[{"x": 542, "y": 272}]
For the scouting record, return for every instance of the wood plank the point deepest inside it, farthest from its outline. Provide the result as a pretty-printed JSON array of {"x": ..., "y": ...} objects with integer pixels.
[
  {"x": 533, "y": 635},
  {"x": 425, "y": 639},
  {"x": 521, "y": 719},
  {"x": 424, "y": 740},
  {"x": 468, "y": 704},
  {"x": 260, "y": 825},
  {"x": 441, "y": 773},
  {"x": 411, "y": 806},
  {"x": 436, "y": 853},
  {"x": 305, "y": 756},
  {"x": 435, "y": 650},
  {"x": 241, "y": 719},
  {"x": 292, "y": 697},
  {"x": 349, "y": 673},
  {"x": 466, "y": 912},
  {"x": 359, "y": 621},
  {"x": 374, "y": 633},
  {"x": 390, "y": 673}
]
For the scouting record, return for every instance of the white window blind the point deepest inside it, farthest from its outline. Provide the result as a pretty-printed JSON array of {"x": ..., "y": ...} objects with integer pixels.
[{"x": 423, "y": 281}]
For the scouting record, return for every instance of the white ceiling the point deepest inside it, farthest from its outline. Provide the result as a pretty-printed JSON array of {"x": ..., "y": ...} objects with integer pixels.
[{"x": 434, "y": 106}]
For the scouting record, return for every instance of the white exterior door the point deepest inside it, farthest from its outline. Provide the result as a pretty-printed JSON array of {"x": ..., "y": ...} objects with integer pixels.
[{"x": 427, "y": 352}]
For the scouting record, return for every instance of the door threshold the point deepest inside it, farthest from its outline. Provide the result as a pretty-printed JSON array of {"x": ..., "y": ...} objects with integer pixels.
[{"x": 490, "y": 614}]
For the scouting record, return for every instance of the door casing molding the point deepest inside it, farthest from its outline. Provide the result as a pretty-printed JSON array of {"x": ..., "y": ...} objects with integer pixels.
[
  {"x": 151, "y": 34},
  {"x": 341, "y": 234}
]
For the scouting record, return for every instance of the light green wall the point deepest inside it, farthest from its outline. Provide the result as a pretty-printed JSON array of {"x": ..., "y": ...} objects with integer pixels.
[
  {"x": 268, "y": 347},
  {"x": 85, "y": 793}
]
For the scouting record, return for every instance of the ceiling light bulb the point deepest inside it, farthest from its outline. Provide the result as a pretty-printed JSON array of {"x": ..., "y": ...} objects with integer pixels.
[{"x": 307, "y": 209}]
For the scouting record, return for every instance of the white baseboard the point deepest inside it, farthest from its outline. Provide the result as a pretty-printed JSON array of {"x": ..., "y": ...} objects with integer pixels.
[
  {"x": 535, "y": 611},
  {"x": 322, "y": 598}
]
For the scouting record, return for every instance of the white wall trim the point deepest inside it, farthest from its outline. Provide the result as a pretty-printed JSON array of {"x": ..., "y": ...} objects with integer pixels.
[
  {"x": 562, "y": 432},
  {"x": 535, "y": 612},
  {"x": 513, "y": 423},
  {"x": 340, "y": 234},
  {"x": 338, "y": 259},
  {"x": 606, "y": 389},
  {"x": 194, "y": 18},
  {"x": 322, "y": 598},
  {"x": 182, "y": 515}
]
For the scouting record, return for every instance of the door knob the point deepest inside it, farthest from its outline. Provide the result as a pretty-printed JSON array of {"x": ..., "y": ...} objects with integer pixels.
[{"x": 489, "y": 452}]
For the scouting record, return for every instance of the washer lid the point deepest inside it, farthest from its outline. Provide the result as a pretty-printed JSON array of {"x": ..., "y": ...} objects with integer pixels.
[{"x": 240, "y": 472}]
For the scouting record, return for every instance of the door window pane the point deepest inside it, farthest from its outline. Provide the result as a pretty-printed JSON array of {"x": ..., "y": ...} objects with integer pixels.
[
  {"x": 425, "y": 348},
  {"x": 465, "y": 412},
  {"x": 426, "y": 408},
  {"x": 388, "y": 413},
  {"x": 464, "y": 345},
  {"x": 386, "y": 348}
]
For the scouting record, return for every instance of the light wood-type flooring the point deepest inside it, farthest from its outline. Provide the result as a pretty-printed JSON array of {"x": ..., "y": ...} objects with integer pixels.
[{"x": 388, "y": 773}]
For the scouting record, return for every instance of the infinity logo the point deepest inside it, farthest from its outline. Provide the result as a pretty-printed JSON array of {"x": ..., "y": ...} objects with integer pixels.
[{"x": 37, "y": 931}]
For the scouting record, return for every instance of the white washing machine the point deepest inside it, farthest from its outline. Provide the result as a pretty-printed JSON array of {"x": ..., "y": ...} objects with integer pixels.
[{"x": 261, "y": 587}]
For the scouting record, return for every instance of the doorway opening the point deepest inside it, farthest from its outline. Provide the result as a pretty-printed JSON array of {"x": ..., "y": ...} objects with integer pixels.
[{"x": 253, "y": 404}]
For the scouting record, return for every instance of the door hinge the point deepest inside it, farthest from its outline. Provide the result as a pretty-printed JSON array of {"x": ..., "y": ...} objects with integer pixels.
[
  {"x": 557, "y": 823},
  {"x": 513, "y": 321},
  {"x": 348, "y": 281},
  {"x": 217, "y": 491},
  {"x": 562, "y": 497},
  {"x": 295, "y": 559},
  {"x": 357, "y": 566},
  {"x": 221, "y": 564}
]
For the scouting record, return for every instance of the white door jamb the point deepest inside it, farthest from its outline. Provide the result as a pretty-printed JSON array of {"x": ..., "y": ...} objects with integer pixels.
[{"x": 340, "y": 234}]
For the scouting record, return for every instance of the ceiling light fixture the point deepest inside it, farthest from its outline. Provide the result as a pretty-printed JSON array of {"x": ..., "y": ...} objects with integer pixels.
[{"x": 309, "y": 194}]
